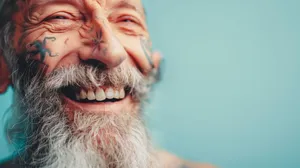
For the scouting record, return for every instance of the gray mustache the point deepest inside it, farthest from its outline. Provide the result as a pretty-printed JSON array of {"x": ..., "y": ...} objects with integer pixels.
[{"x": 88, "y": 76}]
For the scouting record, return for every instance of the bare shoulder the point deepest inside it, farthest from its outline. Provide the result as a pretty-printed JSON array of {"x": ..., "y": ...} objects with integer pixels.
[
  {"x": 168, "y": 160},
  {"x": 197, "y": 165}
]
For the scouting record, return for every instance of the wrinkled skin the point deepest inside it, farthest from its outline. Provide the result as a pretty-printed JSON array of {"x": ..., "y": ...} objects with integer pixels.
[
  {"x": 60, "y": 33},
  {"x": 76, "y": 25},
  {"x": 108, "y": 33}
]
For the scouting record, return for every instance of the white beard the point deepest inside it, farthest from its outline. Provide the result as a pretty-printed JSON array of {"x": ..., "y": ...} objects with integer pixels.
[
  {"x": 99, "y": 141},
  {"x": 90, "y": 140}
]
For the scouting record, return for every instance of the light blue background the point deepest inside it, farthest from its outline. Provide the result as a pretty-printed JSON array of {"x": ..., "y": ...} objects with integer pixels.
[{"x": 231, "y": 89}]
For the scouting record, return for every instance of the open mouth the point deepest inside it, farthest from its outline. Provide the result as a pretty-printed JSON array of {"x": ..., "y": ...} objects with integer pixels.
[{"x": 95, "y": 95}]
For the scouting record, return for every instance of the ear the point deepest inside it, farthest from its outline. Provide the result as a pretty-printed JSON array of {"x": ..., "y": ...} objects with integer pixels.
[
  {"x": 156, "y": 58},
  {"x": 4, "y": 75},
  {"x": 158, "y": 63}
]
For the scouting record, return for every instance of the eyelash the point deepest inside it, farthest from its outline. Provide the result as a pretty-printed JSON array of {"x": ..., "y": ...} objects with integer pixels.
[
  {"x": 128, "y": 20},
  {"x": 131, "y": 19},
  {"x": 58, "y": 17},
  {"x": 55, "y": 17}
]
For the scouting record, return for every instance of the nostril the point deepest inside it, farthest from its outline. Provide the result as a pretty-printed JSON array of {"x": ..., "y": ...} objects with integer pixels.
[{"x": 95, "y": 63}]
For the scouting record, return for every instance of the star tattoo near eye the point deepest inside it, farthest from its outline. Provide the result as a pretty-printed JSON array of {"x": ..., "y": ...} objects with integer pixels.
[
  {"x": 147, "y": 49},
  {"x": 41, "y": 48}
]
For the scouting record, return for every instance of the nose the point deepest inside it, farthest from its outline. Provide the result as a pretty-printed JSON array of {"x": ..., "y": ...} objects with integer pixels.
[{"x": 106, "y": 47}]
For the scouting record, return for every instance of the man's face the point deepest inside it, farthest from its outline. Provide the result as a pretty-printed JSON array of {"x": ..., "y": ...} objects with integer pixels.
[
  {"x": 104, "y": 33},
  {"x": 82, "y": 70}
]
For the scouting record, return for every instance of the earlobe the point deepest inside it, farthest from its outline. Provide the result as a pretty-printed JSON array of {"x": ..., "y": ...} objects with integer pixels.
[
  {"x": 4, "y": 75},
  {"x": 158, "y": 65},
  {"x": 156, "y": 58}
]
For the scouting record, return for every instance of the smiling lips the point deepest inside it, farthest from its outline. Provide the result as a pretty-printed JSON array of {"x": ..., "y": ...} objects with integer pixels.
[
  {"x": 101, "y": 99},
  {"x": 101, "y": 94}
]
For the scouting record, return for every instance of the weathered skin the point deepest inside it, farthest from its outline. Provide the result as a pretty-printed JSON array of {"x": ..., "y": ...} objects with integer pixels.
[
  {"x": 112, "y": 32},
  {"x": 40, "y": 48},
  {"x": 121, "y": 27},
  {"x": 59, "y": 33}
]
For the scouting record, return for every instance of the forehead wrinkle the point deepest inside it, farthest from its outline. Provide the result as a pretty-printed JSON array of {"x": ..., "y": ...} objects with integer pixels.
[{"x": 34, "y": 4}]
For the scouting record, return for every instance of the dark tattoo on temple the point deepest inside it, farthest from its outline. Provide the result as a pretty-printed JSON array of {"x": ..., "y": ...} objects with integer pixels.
[
  {"x": 147, "y": 49},
  {"x": 41, "y": 48}
]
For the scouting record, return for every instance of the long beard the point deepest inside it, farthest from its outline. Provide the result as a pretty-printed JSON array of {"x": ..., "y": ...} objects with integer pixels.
[
  {"x": 101, "y": 141},
  {"x": 88, "y": 140}
]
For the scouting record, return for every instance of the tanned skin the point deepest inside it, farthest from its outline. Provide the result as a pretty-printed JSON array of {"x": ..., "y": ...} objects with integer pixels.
[
  {"x": 40, "y": 48},
  {"x": 58, "y": 33}
]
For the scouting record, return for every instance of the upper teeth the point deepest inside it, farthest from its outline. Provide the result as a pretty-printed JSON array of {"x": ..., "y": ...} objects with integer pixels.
[{"x": 101, "y": 94}]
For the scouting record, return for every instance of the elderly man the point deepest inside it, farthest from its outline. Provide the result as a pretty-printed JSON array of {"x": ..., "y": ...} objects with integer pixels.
[{"x": 81, "y": 70}]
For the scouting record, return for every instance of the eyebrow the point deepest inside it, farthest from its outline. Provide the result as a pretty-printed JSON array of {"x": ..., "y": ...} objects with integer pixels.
[{"x": 125, "y": 4}]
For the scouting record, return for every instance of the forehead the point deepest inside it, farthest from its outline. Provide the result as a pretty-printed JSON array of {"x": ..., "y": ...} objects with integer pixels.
[{"x": 134, "y": 4}]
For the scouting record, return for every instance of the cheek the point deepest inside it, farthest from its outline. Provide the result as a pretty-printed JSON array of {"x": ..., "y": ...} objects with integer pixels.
[
  {"x": 136, "y": 53},
  {"x": 52, "y": 49}
]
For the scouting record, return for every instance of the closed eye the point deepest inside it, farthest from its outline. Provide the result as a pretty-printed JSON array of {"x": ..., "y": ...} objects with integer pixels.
[
  {"x": 128, "y": 19},
  {"x": 59, "y": 17},
  {"x": 56, "y": 17}
]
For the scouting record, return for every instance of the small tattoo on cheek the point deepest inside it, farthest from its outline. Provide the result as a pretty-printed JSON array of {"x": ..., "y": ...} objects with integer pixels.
[
  {"x": 66, "y": 40},
  {"x": 147, "y": 49},
  {"x": 41, "y": 48}
]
